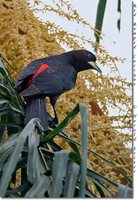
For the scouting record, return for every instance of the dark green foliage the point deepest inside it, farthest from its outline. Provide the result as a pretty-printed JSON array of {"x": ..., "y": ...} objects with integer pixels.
[
  {"x": 119, "y": 10},
  {"x": 100, "y": 17},
  {"x": 37, "y": 165}
]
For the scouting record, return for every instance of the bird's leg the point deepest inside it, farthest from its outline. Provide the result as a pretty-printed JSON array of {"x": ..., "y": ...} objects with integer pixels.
[
  {"x": 56, "y": 121},
  {"x": 53, "y": 100}
]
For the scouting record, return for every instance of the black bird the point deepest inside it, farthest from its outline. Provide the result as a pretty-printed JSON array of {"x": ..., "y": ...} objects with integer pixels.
[{"x": 50, "y": 77}]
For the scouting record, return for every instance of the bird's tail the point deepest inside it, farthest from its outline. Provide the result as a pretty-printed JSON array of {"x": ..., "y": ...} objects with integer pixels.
[{"x": 36, "y": 107}]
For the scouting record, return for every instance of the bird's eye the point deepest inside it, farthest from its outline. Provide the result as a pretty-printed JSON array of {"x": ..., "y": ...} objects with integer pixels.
[{"x": 89, "y": 55}]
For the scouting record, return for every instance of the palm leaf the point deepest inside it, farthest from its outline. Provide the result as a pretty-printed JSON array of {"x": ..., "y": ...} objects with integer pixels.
[
  {"x": 71, "y": 181},
  {"x": 11, "y": 163},
  {"x": 124, "y": 192},
  {"x": 99, "y": 18},
  {"x": 58, "y": 173},
  {"x": 119, "y": 10},
  {"x": 62, "y": 125},
  {"x": 83, "y": 167},
  {"x": 39, "y": 187}
]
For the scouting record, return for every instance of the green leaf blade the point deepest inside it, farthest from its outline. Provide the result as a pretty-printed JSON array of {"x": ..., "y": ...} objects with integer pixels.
[
  {"x": 39, "y": 187},
  {"x": 83, "y": 112},
  {"x": 58, "y": 173},
  {"x": 99, "y": 18},
  {"x": 124, "y": 192},
  {"x": 71, "y": 181}
]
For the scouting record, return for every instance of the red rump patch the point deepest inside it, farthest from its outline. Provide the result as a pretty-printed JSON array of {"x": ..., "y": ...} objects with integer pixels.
[{"x": 40, "y": 69}]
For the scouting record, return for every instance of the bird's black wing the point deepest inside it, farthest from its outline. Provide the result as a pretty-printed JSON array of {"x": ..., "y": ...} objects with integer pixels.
[
  {"x": 27, "y": 73},
  {"x": 31, "y": 69},
  {"x": 54, "y": 80}
]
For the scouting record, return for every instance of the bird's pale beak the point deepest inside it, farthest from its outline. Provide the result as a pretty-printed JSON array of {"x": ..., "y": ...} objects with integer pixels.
[{"x": 94, "y": 66}]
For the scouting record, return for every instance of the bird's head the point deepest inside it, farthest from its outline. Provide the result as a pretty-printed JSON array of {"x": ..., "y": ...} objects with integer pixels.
[{"x": 83, "y": 60}]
